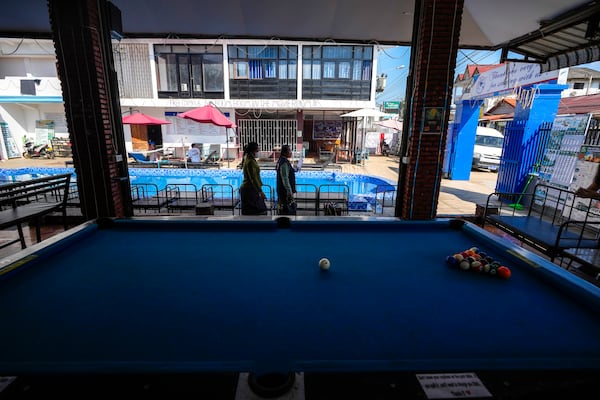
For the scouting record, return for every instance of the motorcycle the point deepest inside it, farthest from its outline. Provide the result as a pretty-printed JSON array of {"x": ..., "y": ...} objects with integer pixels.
[{"x": 38, "y": 151}]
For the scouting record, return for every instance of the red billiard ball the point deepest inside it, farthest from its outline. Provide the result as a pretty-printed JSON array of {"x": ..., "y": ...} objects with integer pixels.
[{"x": 503, "y": 272}]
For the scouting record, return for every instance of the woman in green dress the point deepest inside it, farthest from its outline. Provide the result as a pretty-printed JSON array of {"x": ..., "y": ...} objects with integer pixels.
[{"x": 251, "y": 194}]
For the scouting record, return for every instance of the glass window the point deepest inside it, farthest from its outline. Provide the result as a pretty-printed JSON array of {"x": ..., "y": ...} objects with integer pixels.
[
  {"x": 344, "y": 70},
  {"x": 306, "y": 70},
  {"x": 240, "y": 70},
  {"x": 357, "y": 70},
  {"x": 263, "y": 62},
  {"x": 366, "y": 71},
  {"x": 328, "y": 70},
  {"x": 341, "y": 62},
  {"x": 283, "y": 70},
  {"x": 189, "y": 70},
  {"x": 270, "y": 69},
  {"x": 292, "y": 69},
  {"x": 167, "y": 73},
  {"x": 184, "y": 73},
  {"x": 196, "y": 62},
  {"x": 255, "y": 69},
  {"x": 316, "y": 69},
  {"x": 212, "y": 73},
  {"x": 179, "y": 49}
]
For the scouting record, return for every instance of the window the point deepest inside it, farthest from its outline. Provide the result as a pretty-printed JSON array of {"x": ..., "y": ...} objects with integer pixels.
[
  {"x": 337, "y": 62},
  {"x": 240, "y": 69},
  {"x": 262, "y": 62},
  {"x": 578, "y": 85},
  {"x": 212, "y": 73},
  {"x": 189, "y": 71}
]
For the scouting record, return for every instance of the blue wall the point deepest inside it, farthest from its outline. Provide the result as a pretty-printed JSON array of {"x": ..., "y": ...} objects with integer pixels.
[{"x": 463, "y": 139}]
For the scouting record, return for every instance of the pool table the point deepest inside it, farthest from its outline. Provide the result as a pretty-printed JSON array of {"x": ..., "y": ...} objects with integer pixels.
[{"x": 215, "y": 297}]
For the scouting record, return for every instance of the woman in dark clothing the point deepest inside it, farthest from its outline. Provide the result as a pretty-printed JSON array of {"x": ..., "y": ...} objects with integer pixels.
[
  {"x": 251, "y": 194},
  {"x": 286, "y": 183}
]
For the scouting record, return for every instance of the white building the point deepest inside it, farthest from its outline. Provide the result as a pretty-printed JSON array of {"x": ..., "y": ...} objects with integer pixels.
[{"x": 277, "y": 92}]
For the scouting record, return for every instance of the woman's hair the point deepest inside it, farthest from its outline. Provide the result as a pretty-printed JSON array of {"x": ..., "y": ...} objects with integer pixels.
[
  {"x": 285, "y": 149},
  {"x": 251, "y": 148}
]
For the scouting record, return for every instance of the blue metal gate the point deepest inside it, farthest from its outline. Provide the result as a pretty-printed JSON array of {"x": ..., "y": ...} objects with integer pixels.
[{"x": 520, "y": 159}]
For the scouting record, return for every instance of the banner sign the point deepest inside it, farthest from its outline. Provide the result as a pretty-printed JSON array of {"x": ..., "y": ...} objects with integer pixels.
[{"x": 506, "y": 78}]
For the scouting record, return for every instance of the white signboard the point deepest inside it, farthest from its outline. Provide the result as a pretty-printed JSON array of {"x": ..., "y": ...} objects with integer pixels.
[
  {"x": 506, "y": 77},
  {"x": 452, "y": 386},
  {"x": 188, "y": 131}
]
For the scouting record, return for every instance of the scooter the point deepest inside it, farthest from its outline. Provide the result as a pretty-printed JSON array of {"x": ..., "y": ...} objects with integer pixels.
[{"x": 38, "y": 151}]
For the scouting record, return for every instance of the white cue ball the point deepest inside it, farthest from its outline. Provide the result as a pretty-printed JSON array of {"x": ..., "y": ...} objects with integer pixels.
[{"x": 324, "y": 264}]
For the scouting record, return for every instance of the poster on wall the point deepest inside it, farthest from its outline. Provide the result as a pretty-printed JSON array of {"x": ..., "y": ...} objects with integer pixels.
[
  {"x": 583, "y": 208},
  {"x": 566, "y": 138},
  {"x": 327, "y": 130},
  {"x": 432, "y": 120},
  {"x": 560, "y": 157},
  {"x": 44, "y": 131},
  {"x": 12, "y": 151}
]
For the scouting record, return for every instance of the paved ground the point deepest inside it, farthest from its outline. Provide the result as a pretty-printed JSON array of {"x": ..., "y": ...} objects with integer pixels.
[{"x": 456, "y": 197}]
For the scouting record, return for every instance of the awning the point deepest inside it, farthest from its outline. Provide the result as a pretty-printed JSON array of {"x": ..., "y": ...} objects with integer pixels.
[{"x": 570, "y": 38}]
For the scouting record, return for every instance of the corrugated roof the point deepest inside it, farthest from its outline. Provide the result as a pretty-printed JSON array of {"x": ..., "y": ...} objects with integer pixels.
[{"x": 580, "y": 104}]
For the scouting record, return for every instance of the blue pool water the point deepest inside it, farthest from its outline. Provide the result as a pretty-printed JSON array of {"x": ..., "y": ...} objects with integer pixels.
[{"x": 362, "y": 187}]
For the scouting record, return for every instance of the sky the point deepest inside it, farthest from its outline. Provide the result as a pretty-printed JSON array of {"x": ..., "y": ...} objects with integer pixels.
[{"x": 394, "y": 63}]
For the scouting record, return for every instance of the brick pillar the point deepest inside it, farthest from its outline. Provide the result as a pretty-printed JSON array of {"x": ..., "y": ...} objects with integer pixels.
[
  {"x": 435, "y": 45},
  {"x": 81, "y": 31}
]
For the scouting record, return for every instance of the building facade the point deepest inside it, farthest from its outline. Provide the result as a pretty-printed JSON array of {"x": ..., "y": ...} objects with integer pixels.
[{"x": 276, "y": 92}]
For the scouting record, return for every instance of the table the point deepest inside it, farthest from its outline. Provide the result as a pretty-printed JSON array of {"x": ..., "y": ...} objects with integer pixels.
[{"x": 166, "y": 297}]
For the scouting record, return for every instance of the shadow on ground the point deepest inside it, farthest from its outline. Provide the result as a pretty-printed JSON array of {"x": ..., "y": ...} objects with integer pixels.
[{"x": 466, "y": 195}]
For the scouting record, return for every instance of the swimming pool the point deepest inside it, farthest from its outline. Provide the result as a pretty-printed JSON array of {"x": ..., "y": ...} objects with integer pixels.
[{"x": 363, "y": 188}]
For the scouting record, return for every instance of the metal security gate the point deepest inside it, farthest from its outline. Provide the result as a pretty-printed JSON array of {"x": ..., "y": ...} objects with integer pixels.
[
  {"x": 520, "y": 159},
  {"x": 268, "y": 133}
]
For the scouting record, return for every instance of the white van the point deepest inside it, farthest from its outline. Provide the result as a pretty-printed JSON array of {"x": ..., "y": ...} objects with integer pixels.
[{"x": 488, "y": 148}]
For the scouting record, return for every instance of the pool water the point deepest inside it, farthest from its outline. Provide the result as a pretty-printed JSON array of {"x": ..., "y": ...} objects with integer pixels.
[{"x": 363, "y": 188}]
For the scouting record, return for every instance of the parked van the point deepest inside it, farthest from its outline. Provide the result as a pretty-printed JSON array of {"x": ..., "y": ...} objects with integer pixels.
[{"x": 488, "y": 148}]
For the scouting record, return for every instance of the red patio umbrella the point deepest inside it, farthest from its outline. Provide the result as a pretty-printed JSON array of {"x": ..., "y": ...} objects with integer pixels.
[
  {"x": 143, "y": 119},
  {"x": 208, "y": 114}
]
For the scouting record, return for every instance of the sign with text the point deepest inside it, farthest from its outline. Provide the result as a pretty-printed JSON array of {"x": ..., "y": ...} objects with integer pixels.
[
  {"x": 506, "y": 77},
  {"x": 452, "y": 386},
  {"x": 188, "y": 131},
  {"x": 391, "y": 105}
]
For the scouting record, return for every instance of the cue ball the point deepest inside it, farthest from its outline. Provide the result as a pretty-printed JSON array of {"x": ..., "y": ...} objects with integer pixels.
[{"x": 324, "y": 264}]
